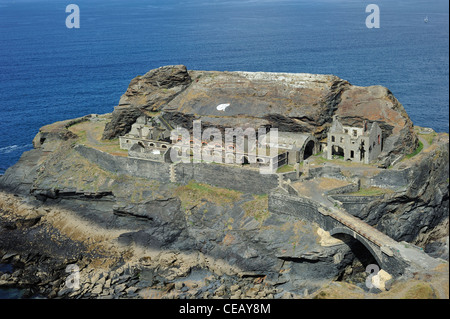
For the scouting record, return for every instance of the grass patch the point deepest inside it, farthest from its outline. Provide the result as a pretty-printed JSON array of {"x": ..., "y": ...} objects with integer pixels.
[
  {"x": 341, "y": 290},
  {"x": 371, "y": 191},
  {"x": 90, "y": 134},
  {"x": 319, "y": 154},
  {"x": 285, "y": 169},
  {"x": 416, "y": 151},
  {"x": 319, "y": 160},
  {"x": 82, "y": 137},
  {"x": 67, "y": 169},
  {"x": 195, "y": 194},
  {"x": 420, "y": 291},
  {"x": 429, "y": 137},
  {"x": 258, "y": 208}
]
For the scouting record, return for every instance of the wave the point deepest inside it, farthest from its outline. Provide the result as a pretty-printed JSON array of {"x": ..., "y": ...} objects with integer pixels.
[{"x": 13, "y": 148}]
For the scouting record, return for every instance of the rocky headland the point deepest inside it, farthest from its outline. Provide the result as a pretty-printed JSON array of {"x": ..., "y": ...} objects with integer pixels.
[{"x": 75, "y": 199}]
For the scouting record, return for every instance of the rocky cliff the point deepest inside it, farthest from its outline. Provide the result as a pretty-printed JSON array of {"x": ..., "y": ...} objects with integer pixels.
[
  {"x": 147, "y": 93},
  {"x": 418, "y": 212},
  {"x": 289, "y": 102},
  {"x": 232, "y": 235},
  {"x": 136, "y": 236}
]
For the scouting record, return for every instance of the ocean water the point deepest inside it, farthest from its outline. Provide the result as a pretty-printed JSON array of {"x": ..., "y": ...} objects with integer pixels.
[
  {"x": 50, "y": 73},
  {"x": 9, "y": 293}
]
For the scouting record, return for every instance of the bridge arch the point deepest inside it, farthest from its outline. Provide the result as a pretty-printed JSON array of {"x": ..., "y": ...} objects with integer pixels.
[{"x": 369, "y": 246}]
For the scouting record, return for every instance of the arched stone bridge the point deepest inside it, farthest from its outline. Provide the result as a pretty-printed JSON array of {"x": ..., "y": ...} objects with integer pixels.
[{"x": 392, "y": 256}]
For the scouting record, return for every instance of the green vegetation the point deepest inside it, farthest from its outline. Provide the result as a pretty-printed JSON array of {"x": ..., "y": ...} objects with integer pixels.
[
  {"x": 416, "y": 151},
  {"x": 339, "y": 160},
  {"x": 420, "y": 291},
  {"x": 426, "y": 134},
  {"x": 319, "y": 154},
  {"x": 340, "y": 290},
  {"x": 321, "y": 159},
  {"x": 82, "y": 137},
  {"x": 285, "y": 169},
  {"x": 196, "y": 194},
  {"x": 321, "y": 295},
  {"x": 371, "y": 191},
  {"x": 258, "y": 208},
  {"x": 429, "y": 137},
  {"x": 90, "y": 134},
  {"x": 67, "y": 169}
]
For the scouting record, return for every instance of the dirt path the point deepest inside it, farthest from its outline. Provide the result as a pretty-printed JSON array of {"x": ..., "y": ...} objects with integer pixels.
[{"x": 424, "y": 142}]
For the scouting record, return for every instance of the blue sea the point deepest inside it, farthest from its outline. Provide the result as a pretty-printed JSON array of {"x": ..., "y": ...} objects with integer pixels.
[{"x": 49, "y": 72}]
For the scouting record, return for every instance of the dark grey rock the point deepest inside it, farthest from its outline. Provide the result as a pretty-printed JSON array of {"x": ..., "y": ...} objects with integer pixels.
[
  {"x": 421, "y": 207},
  {"x": 438, "y": 249},
  {"x": 149, "y": 92}
]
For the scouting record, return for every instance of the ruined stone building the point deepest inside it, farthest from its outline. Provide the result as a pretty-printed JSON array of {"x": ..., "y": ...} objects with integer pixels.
[
  {"x": 356, "y": 144},
  {"x": 150, "y": 138},
  {"x": 297, "y": 146}
]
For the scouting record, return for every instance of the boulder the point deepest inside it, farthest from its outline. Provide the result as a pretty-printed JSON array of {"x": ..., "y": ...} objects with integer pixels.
[{"x": 382, "y": 280}]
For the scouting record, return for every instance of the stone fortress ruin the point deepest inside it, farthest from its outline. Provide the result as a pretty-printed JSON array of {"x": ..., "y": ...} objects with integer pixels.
[
  {"x": 118, "y": 171},
  {"x": 154, "y": 139},
  {"x": 307, "y": 177},
  {"x": 321, "y": 188}
]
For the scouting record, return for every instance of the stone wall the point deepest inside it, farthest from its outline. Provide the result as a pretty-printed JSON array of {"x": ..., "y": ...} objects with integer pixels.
[
  {"x": 292, "y": 176},
  {"x": 125, "y": 165},
  {"x": 392, "y": 179},
  {"x": 295, "y": 206},
  {"x": 226, "y": 176},
  {"x": 220, "y": 175},
  {"x": 325, "y": 171},
  {"x": 355, "y": 204},
  {"x": 350, "y": 188}
]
